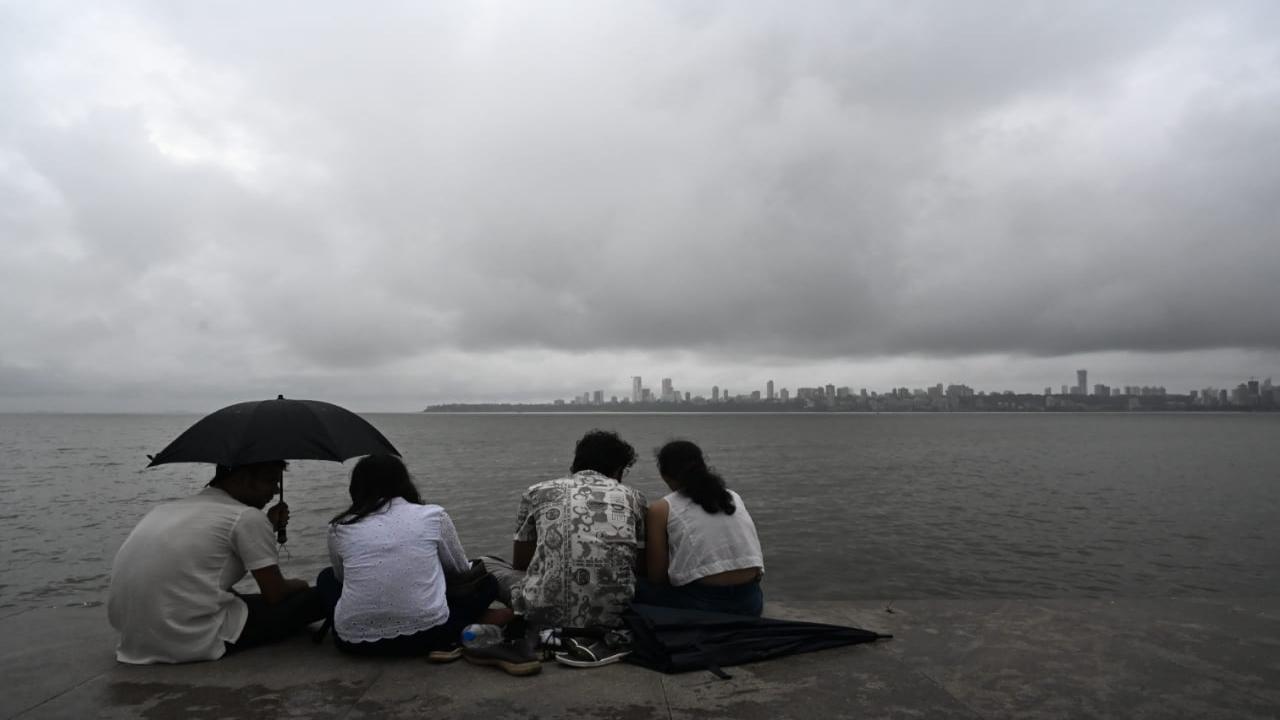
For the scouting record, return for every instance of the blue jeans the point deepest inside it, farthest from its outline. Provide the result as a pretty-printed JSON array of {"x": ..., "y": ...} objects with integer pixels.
[{"x": 745, "y": 599}]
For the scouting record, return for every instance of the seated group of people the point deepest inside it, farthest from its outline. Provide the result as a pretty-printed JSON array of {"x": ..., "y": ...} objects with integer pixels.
[{"x": 585, "y": 547}]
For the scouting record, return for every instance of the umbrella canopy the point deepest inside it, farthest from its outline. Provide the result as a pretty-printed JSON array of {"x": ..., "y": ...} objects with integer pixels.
[
  {"x": 280, "y": 429},
  {"x": 675, "y": 640}
]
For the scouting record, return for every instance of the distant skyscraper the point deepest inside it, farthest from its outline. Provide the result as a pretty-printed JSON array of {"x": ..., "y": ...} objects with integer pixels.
[
  {"x": 768, "y": 391},
  {"x": 715, "y": 393},
  {"x": 597, "y": 397},
  {"x": 637, "y": 390},
  {"x": 784, "y": 395},
  {"x": 668, "y": 395},
  {"x": 1082, "y": 381}
]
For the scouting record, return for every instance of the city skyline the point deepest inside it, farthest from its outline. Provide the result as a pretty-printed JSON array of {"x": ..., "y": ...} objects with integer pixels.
[{"x": 1208, "y": 395}]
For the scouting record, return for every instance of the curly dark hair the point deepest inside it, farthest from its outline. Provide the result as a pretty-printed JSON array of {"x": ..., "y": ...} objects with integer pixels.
[{"x": 604, "y": 452}]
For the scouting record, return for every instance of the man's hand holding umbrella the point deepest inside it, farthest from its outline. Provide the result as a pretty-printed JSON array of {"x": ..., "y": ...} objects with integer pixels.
[{"x": 279, "y": 517}]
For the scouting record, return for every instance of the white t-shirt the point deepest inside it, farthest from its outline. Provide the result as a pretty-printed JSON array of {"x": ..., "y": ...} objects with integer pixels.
[
  {"x": 701, "y": 544},
  {"x": 391, "y": 565},
  {"x": 170, "y": 595}
]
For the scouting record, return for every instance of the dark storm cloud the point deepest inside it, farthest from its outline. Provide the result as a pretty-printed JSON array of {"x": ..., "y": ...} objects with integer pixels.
[{"x": 230, "y": 194}]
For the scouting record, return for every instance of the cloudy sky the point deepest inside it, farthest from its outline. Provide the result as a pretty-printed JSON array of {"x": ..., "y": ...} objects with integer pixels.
[{"x": 397, "y": 204}]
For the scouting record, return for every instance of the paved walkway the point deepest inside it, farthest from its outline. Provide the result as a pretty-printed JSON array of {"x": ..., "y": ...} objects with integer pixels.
[{"x": 950, "y": 658}]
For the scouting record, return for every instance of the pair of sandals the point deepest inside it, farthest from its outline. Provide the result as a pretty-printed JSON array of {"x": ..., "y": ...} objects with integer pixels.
[{"x": 586, "y": 651}]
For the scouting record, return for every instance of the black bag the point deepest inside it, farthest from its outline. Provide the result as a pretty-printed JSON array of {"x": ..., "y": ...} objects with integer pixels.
[{"x": 672, "y": 640}]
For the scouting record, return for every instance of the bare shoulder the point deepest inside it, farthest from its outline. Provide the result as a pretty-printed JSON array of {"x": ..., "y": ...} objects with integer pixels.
[{"x": 659, "y": 508}]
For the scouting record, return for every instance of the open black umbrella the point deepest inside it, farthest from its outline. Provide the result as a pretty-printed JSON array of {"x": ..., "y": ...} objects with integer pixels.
[{"x": 280, "y": 429}]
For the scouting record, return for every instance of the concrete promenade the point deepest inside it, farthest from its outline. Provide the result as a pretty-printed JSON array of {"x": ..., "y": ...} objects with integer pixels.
[{"x": 1130, "y": 658}]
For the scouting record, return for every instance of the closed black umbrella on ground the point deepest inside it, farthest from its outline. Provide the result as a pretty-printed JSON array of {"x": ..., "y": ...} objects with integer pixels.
[
  {"x": 674, "y": 640},
  {"x": 280, "y": 429}
]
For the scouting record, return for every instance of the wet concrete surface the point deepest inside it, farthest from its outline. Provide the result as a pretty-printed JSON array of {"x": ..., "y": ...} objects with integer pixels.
[{"x": 948, "y": 659}]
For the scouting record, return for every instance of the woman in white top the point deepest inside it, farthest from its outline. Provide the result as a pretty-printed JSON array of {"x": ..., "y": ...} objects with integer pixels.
[
  {"x": 390, "y": 554},
  {"x": 702, "y": 551}
]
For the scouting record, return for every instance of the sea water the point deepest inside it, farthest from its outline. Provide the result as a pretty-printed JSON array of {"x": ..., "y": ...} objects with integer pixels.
[{"x": 847, "y": 506}]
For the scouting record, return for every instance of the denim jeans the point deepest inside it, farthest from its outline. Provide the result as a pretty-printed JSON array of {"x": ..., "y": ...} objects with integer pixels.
[{"x": 745, "y": 599}]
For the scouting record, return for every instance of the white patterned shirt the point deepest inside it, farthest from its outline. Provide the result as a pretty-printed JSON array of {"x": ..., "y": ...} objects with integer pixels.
[{"x": 588, "y": 529}]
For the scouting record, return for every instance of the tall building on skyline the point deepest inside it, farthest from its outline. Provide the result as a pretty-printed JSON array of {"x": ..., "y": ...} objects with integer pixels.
[
  {"x": 637, "y": 389},
  {"x": 668, "y": 393},
  {"x": 769, "y": 390},
  {"x": 715, "y": 393},
  {"x": 1082, "y": 381}
]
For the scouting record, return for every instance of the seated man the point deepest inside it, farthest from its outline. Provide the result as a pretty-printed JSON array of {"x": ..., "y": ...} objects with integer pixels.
[
  {"x": 578, "y": 541},
  {"x": 170, "y": 594}
]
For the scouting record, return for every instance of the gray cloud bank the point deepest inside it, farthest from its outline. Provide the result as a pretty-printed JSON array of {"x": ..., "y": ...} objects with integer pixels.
[{"x": 204, "y": 196}]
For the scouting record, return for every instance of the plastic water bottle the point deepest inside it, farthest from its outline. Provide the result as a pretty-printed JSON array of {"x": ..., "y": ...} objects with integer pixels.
[{"x": 478, "y": 635}]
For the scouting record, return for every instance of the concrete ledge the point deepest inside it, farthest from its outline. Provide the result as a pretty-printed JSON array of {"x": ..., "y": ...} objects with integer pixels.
[{"x": 949, "y": 658}]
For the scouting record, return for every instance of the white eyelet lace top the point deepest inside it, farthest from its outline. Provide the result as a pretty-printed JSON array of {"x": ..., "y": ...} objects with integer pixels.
[{"x": 391, "y": 565}]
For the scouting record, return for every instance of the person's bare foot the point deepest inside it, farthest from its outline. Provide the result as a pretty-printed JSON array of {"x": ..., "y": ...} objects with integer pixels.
[{"x": 497, "y": 616}]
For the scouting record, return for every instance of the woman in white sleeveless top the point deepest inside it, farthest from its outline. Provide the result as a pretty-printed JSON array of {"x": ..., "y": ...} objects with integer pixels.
[{"x": 702, "y": 550}]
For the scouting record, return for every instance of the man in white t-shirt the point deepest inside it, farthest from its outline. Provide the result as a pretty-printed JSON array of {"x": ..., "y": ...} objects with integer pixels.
[{"x": 171, "y": 597}]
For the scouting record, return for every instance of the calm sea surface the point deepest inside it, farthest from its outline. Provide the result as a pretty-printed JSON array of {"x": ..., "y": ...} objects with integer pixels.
[{"x": 847, "y": 506}]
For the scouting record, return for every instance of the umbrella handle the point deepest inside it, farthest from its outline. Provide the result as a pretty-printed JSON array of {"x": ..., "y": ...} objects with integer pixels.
[{"x": 282, "y": 537}]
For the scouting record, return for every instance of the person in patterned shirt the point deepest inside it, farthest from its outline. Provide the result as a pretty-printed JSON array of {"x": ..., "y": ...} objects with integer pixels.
[{"x": 578, "y": 542}]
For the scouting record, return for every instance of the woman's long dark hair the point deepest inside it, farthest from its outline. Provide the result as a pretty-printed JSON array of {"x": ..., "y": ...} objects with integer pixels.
[
  {"x": 681, "y": 462},
  {"x": 375, "y": 481}
]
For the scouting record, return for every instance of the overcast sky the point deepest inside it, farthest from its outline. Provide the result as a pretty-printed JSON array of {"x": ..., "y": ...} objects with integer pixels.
[{"x": 394, "y": 204}]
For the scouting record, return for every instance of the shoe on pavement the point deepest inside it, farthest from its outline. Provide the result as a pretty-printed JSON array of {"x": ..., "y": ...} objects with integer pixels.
[
  {"x": 445, "y": 656},
  {"x": 585, "y": 653},
  {"x": 513, "y": 657}
]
